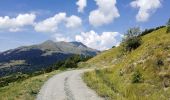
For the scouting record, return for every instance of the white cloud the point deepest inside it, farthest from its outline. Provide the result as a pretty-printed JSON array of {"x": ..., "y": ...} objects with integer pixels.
[
  {"x": 60, "y": 37},
  {"x": 146, "y": 8},
  {"x": 81, "y": 5},
  {"x": 101, "y": 42},
  {"x": 51, "y": 24},
  {"x": 73, "y": 22},
  {"x": 15, "y": 29},
  {"x": 16, "y": 23},
  {"x": 105, "y": 13}
]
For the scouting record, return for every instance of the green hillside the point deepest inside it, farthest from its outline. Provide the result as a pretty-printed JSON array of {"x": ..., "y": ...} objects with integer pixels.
[
  {"x": 142, "y": 74},
  {"x": 26, "y": 89}
]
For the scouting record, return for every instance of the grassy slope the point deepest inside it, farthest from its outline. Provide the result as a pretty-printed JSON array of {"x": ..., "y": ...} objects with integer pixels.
[
  {"x": 116, "y": 82},
  {"x": 24, "y": 90}
]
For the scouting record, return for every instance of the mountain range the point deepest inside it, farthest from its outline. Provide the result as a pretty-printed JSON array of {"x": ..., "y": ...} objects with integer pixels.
[{"x": 36, "y": 57}]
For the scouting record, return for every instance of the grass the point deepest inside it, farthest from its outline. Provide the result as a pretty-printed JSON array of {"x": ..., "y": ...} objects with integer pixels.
[
  {"x": 25, "y": 90},
  {"x": 150, "y": 59}
]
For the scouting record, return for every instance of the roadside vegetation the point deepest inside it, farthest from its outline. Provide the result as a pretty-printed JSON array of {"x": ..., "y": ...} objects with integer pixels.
[
  {"x": 71, "y": 62},
  {"x": 25, "y": 86},
  {"x": 25, "y": 90},
  {"x": 132, "y": 39},
  {"x": 138, "y": 69}
]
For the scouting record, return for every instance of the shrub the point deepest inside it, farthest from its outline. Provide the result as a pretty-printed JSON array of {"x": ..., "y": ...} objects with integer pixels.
[
  {"x": 133, "y": 43},
  {"x": 168, "y": 26},
  {"x": 113, "y": 46},
  {"x": 136, "y": 77},
  {"x": 71, "y": 62},
  {"x": 4, "y": 81},
  {"x": 168, "y": 29},
  {"x": 160, "y": 62},
  {"x": 49, "y": 69},
  {"x": 132, "y": 39}
]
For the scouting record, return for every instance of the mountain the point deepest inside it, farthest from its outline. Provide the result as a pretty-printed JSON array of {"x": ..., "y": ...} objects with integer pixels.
[
  {"x": 36, "y": 57},
  {"x": 141, "y": 74}
]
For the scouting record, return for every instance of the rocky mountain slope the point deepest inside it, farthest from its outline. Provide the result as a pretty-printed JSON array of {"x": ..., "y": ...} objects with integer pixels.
[{"x": 36, "y": 57}]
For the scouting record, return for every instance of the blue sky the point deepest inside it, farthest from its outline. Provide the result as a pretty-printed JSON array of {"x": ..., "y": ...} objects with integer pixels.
[{"x": 30, "y": 22}]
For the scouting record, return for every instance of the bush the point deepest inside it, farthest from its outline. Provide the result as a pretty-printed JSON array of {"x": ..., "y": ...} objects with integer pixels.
[
  {"x": 160, "y": 62},
  {"x": 4, "y": 81},
  {"x": 136, "y": 77},
  {"x": 71, "y": 62},
  {"x": 132, "y": 39},
  {"x": 168, "y": 29},
  {"x": 168, "y": 26},
  {"x": 49, "y": 69},
  {"x": 113, "y": 46},
  {"x": 133, "y": 43}
]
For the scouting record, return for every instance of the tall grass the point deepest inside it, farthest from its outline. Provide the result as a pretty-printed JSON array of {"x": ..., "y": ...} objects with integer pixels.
[
  {"x": 150, "y": 59},
  {"x": 25, "y": 90}
]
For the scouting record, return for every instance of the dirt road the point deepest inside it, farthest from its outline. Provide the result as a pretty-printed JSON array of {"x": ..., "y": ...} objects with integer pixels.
[{"x": 67, "y": 86}]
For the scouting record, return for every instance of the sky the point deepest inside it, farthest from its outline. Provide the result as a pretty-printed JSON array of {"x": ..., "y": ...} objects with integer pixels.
[{"x": 99, "y": 24}]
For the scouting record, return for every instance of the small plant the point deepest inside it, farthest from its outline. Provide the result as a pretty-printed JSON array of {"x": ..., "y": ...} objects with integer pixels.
[
  {"x": 33, "y": 92},
  {"x": 136, "y": 77}
]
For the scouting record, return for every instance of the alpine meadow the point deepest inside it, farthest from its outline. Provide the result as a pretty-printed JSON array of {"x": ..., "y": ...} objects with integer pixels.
[{"x": 84, "y": 50}]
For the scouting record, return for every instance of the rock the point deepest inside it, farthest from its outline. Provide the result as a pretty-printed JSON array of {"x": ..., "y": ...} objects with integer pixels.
[
  {"x": 166, "y": 82},
  {"x": 168, "y": 55},
  {"x": 168, "y": 60},
  {"x": 164, "y": 75}
]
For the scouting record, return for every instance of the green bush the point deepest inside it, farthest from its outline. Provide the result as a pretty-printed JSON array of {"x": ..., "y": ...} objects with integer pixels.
[
  {"x": 136, "y": 77},
  {"x": 132, "y": 39},
  {"x": 71, "y": 62},
  {"x": 160, "y": 62},
  {"x": 168, "y": 29},
  {"x": 49, "y": 69},
  {"x": 132, "y": 44},
  {"x": 168, "y": 26},
  {"x": 113, "y": 46},
  {"x": 4, "y": 81}
]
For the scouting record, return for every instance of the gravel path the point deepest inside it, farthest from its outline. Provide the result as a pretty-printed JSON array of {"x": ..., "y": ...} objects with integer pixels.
[{"x": 67, "y": 86}]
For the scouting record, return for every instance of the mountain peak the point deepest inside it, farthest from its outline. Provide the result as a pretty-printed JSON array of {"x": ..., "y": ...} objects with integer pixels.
[
  {"x": 49, "y": 41},
  {"x": 78, "y": 44}
]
